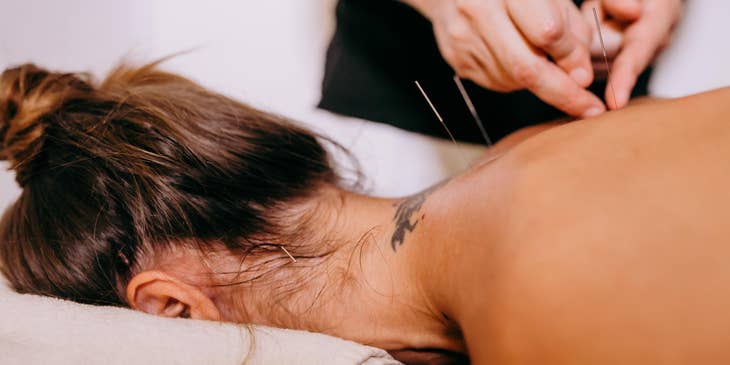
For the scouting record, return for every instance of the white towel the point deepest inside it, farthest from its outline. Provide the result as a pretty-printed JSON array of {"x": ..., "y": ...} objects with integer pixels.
[{"x": 38, "y": 330}]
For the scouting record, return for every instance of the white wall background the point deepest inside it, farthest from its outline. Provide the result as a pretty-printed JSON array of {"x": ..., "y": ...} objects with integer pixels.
[
  {"x": 270, "y": 53},
  {"x": 699, "y": 57}
]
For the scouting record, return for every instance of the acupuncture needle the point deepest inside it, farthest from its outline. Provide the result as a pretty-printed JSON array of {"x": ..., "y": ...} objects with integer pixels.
[
  {"x": 472, "y": 109},
  {"x": 441, "y": 120},
  {"x": 605, "y": 56}
]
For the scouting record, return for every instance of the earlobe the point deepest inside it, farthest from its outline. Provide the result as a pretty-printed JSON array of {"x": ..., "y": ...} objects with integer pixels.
[{"x": 158, "y": 293}]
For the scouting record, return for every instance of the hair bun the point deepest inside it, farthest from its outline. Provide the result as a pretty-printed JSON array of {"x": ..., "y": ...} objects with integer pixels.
[{"x": 30, "y": 97}]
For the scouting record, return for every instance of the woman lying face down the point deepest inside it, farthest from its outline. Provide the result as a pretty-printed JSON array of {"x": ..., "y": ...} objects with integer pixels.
[{"x": 599, "y": 241}]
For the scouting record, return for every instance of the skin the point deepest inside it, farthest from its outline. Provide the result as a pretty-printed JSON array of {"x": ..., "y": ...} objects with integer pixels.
[
  {"x": 504, "y": 45},
  {"x": 608, "y": 244},
  {"x": 600, "y": 241}
]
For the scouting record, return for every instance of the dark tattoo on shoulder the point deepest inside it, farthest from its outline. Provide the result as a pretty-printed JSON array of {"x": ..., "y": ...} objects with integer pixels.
[{"x": 404, "y": 212}]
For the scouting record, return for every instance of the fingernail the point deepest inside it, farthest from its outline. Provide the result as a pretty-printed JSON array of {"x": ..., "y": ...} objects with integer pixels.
[
  {"x": 581, "y": 76},
  {"x": 593, "y": 112}
]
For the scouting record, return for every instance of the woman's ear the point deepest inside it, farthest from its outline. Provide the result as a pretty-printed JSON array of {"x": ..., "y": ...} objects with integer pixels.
[{"x": 158, "y": 293}]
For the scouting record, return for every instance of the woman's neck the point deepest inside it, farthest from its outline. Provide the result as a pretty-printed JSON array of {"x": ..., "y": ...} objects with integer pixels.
[
  {"x": 388, "y": 283},
  {"x": 376, "y": 291}
]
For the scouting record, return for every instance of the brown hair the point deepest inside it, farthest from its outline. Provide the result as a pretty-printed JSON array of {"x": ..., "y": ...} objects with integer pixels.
[{"x": 141, "y": 161}]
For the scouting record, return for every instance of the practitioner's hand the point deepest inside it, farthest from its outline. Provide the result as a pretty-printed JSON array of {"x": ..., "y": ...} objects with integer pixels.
[
  {"x": 504, "y": 45},
  {"x": 647, "y": 27}
]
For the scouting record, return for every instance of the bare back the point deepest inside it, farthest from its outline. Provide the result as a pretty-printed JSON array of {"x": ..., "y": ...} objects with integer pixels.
[{"x": 600, "y": 241}]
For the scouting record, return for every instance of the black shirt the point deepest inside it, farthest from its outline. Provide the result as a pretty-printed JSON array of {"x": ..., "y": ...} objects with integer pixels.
[{"x": 381, "y": 47}]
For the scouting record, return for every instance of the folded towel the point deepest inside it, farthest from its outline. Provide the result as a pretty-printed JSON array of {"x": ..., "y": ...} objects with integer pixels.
[{"x": 39, "y": 330}]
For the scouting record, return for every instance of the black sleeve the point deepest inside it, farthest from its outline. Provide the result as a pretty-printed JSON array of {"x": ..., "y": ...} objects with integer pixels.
[{"x": 381, "y": 47}]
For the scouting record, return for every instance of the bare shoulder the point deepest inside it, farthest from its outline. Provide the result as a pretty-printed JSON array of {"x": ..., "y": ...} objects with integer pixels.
[{"x": 597, "y": 246}]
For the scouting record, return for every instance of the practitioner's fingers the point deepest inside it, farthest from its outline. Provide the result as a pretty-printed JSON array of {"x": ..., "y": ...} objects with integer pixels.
[
  {"x": 587, "y": 9},
  {"x": 623, "y": 10},
  {"x": 630, "y": 63},
  {"x": 578, "y": 25},
  {"x": 483, "y": 74},
  {"x": 610, "y": 32},
  {"x": 642, "y": 41},
  {"x": 453, "y": 35},
  {"x": 490, "y": 71},
  {"x": 546, "y": 26},
  {"x": 463, "y": 49},
  {"x": 557, "y": 89},
  {"x": 613, "y": 39},
  {"x": 592, "y": 10},
  {"x": 527, "y": 68}
]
